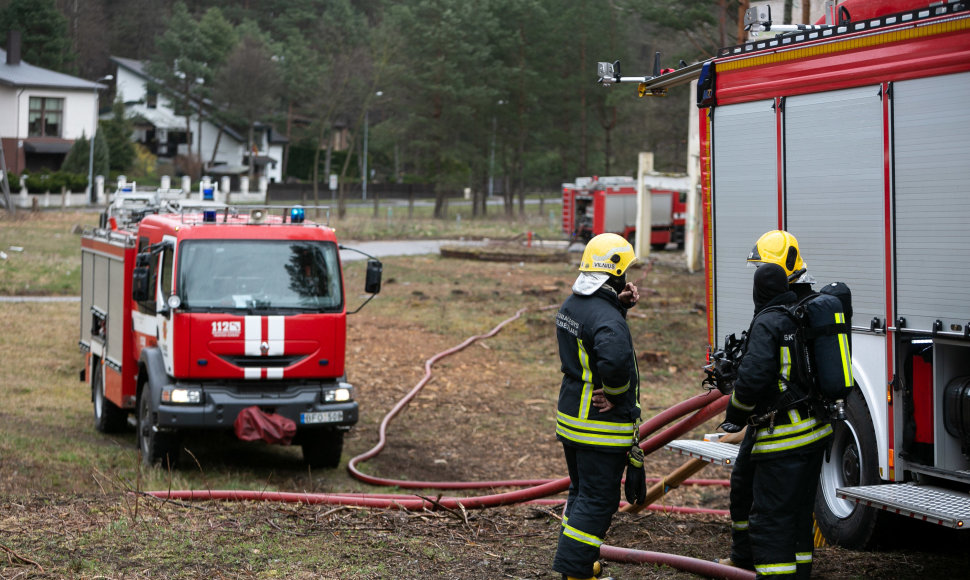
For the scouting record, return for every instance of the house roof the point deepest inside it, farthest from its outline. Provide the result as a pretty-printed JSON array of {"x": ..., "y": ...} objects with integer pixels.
[
  {"x": 158, "y": 118},
  {"x": 24, "y": 74},
  {"x": 152, "y": 115},
  {"x": 135, "y": 66}
]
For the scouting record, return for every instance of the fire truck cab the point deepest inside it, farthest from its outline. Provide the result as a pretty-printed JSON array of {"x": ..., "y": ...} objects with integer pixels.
[{"x": 197, "y": 317}]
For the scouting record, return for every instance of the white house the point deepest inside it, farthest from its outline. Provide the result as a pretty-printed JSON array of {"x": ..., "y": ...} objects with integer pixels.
[
  {"x": 222, "y": 149},
  {"x": 42, "y": 112}
]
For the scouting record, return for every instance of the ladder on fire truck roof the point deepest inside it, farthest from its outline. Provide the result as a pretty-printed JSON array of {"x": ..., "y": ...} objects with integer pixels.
[{"x": 928, "y": 503}]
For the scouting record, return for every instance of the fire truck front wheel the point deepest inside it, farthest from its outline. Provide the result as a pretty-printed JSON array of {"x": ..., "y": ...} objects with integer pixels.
[
  {"x": 322, "y": 448},
  {"x": 157, "y": 447},
  {"x": 853, "y": 461},
  {"x": 108, "y": 417}
]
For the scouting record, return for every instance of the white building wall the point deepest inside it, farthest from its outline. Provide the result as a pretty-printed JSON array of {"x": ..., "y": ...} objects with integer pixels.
[
  {"x": 79, "y": 113},
  {"x": 275, "y": 174},
  {"x": 129, "y": 86},
  {"x": 230, "y": 150},
  {"x": 8, "y": 102}
]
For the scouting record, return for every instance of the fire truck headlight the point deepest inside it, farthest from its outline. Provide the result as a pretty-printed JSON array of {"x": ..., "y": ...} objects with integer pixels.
[
  {"x": 182, "y": 395},
  {"x": 336, "y": 395}
]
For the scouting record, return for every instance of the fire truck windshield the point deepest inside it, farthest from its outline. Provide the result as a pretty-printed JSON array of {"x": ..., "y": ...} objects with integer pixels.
[{"x": 258, "y": 275}]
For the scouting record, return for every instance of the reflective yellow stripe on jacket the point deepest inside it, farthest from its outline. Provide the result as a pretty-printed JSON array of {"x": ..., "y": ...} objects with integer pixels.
[
  {"x": 586, "y": 398},
  {"x": 786, "y": 437},
  {"x": 599, "y": 433},
  {"x": 785, "y": 370},
  {"x": 589, "y": 432}
]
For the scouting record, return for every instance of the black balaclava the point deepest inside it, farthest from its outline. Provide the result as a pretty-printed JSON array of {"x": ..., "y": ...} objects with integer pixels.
[
  {"x": 770, "y": 280},
  {"x": 617, "y": 283}
]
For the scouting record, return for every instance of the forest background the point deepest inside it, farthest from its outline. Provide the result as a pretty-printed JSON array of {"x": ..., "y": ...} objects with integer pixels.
[{"x": 448, "y": 91}]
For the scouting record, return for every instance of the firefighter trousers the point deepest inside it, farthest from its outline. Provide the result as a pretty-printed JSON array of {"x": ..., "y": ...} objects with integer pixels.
[
  {"x": 779, "y": 496},
  {"x": 741, "y": 498},
  {"x": 594, "y": 496}
]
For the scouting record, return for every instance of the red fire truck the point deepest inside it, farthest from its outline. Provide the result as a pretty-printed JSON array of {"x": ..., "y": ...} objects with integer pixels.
[
  {"x": 852, "y": 135},
  {"x": 198, "y": 317},
  {"x": 596, "y": 205}
]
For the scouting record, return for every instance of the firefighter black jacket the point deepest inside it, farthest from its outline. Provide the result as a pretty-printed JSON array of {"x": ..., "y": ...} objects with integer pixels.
[
  {"x": 596, "y": 351},
  {"x": 763, "y": 377}
]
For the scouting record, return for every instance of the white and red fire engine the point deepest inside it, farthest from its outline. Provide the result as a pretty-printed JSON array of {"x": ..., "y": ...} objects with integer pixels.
[
  {"x": 597, "y": 205},
  {"x": 853, "y": 135},
  {"x": 197, "y": 317}
]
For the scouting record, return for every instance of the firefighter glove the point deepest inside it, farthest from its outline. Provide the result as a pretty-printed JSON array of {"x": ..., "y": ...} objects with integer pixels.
[
  {"x": 635, "y": 486},
  {"x": 730, "y": 427}
]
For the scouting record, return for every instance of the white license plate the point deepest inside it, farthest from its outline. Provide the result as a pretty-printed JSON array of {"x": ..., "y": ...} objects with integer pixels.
[{"x": 322, "y": 417}]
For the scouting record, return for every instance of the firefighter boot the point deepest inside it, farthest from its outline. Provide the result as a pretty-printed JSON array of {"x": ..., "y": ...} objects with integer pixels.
[{"x": 597, "y": 570}]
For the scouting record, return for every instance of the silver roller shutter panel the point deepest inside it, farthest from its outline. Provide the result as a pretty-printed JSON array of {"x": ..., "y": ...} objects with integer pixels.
[
  {"x": 931, "y": 141},
  {"x": 87, "y": 293},
  {"x": 745, "y": 200},
  {"x": 834, "y": 192}
]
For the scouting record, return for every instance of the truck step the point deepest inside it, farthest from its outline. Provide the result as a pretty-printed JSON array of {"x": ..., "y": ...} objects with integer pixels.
[
  {"x": 712, "y": 451},
  {"x": 936, "y": 505}
]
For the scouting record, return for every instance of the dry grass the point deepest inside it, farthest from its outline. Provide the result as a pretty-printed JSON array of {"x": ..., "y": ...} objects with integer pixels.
[{"x": 43, "y": 252}]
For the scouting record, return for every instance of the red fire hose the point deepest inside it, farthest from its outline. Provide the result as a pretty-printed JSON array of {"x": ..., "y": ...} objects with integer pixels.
[{"x": 703, "y": 407}]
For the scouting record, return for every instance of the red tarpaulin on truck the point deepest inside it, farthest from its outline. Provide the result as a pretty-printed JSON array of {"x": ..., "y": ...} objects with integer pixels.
[{"x": 253, "y": 424}]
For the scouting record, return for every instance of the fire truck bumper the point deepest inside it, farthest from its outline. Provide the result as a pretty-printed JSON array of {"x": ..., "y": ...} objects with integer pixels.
[{"x": 304, "y": 407}]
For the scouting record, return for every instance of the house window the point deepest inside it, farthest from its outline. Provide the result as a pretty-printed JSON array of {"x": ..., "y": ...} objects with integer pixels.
[
  {"x": 45, "y": 117},
  {"x": 151, "y": 99}
]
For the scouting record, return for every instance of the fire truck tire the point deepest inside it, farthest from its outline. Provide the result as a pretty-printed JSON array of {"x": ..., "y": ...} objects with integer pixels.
[
  {"x": 108, "y": 417},
  {"x": 853, "y": 461},
  {"x": 658, "y": 247},
  {"x": 157, "y": 447},
  {"x": 323, "y": 449}
]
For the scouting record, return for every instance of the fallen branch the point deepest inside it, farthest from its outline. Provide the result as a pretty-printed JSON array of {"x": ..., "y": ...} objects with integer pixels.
[{"x": 11, "y": 554}]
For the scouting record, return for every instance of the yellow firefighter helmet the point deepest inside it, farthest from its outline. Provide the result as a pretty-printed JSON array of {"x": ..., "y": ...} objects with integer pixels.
[
  {"x": 778, "y": 247},
  {"x": 608, "y": 254}
]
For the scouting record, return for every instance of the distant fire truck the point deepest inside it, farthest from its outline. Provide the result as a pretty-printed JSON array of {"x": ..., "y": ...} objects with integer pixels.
[
  {"x": 198, "y": 317},
  {"x": 597, "y": 205},
  {"x": 853, "y": 135}
]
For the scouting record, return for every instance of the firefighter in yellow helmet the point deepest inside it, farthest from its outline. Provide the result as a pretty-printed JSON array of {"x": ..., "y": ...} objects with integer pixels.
[
  {"x": 599, "y": 402},
  {"x": 781, "y": 248},
  {"x": 775, "y": 474}
]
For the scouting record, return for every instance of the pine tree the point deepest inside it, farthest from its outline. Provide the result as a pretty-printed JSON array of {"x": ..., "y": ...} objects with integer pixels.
[
  {"x": 76, "y": 160},
  {"x": 117, "y": 133}
]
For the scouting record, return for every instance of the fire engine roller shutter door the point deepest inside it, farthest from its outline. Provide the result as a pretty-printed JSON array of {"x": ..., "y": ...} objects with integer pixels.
[
  {"x": 745, "y": 200},
  {"x": 87, "y": 291},
  {"x": 834, "y": 192},
  {"x": 931, "y": 140},
  {"x": 116, "y": 321}
]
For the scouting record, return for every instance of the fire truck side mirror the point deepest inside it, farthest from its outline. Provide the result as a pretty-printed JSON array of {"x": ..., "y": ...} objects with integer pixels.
[
  {"x": 140, "y": 278},
  {"x": 372, "y": 283}
]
